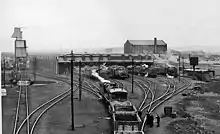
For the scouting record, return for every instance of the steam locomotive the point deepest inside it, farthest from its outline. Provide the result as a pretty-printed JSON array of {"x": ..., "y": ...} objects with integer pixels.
[
  {"x": 90, "y": 71},
  {"x": 171, "y": 71},
  {"x": 143, "y": 71},
  {"x": 124, "y": 115},
  {"x": 119, "y": 72}
]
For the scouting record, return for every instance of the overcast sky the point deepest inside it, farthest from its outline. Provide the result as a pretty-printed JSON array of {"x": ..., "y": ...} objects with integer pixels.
[{"x": 64, "y": 24}]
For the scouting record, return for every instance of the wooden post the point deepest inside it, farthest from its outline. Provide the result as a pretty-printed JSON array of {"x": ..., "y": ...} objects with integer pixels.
[
  {"x": 194, "y": 71},
  {"x": 72, "y": 105},
  {"x": 4, "y": 72},
  {"x": 132, "y": 76},
  {"x": 179, "y": 67},
  {"x": 183, "y": 66},
  {"x": 34, "y": 67},
  {"x": 80, "y": 82}
]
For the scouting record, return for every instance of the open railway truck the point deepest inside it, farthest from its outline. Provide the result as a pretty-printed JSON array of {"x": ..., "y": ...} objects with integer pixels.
[
  {"x": 126, "y": 123},
  {"x": 125, "y": 119}
]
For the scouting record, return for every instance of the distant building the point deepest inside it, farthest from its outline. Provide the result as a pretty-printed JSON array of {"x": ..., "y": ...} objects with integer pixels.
[
  {"x": 114, "y": 50},
  {"x": 145, "y": 46},
  {"x": 108, "y": 50}
]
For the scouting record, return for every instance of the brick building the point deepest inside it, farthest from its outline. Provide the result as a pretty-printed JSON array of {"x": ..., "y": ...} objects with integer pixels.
[{"x": 145, "y": 46}]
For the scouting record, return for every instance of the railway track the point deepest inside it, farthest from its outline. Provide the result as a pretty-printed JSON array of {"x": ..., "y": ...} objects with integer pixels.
[
  {"x": 157, "y": 100},
  {"x": 22, "y": 105},
  {"x": 93, "y": 89},
  {"x": 149, "y": 92},
  {"x": 145, "y": 88},
  {"x": 164, "y": 97},
  {"x": 43, "y": 108},
  {"x": 38, "y": 112}
]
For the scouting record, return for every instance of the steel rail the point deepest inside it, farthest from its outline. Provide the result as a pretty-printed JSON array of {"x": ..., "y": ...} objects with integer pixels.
[
  {"x": 62, "y": 96},
  {"x": 36, "y": 109},
  {"x": 92, "y": 90},
  {"x": 18, "y": 108},
  {"x": 143, "y": 89},
  {"x": 17, "y": 111},
  {"x": 150, "y": 104},
  {"x": 38, "y": 117},
  {"x": 146, "y": 93},
  {"x": 169, "y": 95},
  {"x": 45, "y": 110},
  {"x": 27, "y": 110}
]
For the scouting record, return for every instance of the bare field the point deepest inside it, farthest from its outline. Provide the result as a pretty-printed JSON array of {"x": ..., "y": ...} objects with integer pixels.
[
  {"x": 9, "y": 103},
  {"x": 37, "y": 95},
  {"x": 88, "y": 114},
  {"x": 201, "y": 109},
  {"x": 40, "y": 94}
]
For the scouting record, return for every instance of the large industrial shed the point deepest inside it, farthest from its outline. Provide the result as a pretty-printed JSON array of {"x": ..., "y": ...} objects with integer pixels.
[
  {"x": 145, "y": 46},
  {"x": 63, "y": 61}
]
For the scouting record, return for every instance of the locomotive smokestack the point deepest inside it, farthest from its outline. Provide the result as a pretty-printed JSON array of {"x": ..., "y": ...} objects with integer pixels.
[{"x": 155, "y": 45}]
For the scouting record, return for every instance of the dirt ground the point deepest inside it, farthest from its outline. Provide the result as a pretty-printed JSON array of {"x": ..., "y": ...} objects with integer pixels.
[
  {"x": 90, "y": 113},
  {"x": 37, "y": 95},
  {"x": 89, "y": 117},
  {"x": 160, "y": 111},
  {"x": 9, "y": 103},
  {"x": 196, "y": 113}
]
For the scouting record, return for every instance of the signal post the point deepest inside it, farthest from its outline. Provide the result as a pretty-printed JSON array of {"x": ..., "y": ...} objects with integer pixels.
[{"x": 194, "y": 62}]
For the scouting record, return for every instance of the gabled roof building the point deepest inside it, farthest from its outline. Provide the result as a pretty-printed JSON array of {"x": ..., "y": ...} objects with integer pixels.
[{"x": 145, "y": 47}]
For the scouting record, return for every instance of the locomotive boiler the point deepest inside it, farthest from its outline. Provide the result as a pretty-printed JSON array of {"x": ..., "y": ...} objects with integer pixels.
[{"x": 119, "y": 72}]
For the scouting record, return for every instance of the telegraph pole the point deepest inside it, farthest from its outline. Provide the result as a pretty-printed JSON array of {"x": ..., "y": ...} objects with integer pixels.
[
  {"x": 4, "y": 71},
  {"x": 72, "y": 105},
  {"x": 80, "y": 82},
  {"x": 99, "y": 66},
  {"x": 194, "y": 67},
  {"x": 132, "y": 76},
  {"x": 34, "y": 67},
  {"x": 179, "y": 67},
  {"x": 183, "y": 66}
]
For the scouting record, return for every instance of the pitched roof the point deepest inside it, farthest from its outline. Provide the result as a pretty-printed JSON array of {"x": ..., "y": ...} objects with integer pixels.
[{"x": 146, "y": 42}]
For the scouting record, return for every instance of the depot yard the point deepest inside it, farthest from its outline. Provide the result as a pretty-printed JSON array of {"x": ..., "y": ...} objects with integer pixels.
[
  {"x": 91, "y": 116},
  {"x": 145, "y": 85},
  {"x": 9, "y": 103},
  {"x": 37, "y": 95},
  {"x": 198, "y": 112}
]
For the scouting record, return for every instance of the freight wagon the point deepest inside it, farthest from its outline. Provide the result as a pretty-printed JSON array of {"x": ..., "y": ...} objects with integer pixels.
[{"x": 124, "y": 115}]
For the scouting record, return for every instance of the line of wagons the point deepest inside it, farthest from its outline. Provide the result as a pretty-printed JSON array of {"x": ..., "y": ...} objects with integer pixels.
[
  {"x": 121, "y": 72},
  {"x": 125, "y": 118},
  {"x": 112, "y": 72}
]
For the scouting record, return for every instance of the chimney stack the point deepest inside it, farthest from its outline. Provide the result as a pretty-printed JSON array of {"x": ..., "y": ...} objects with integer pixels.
[{"x": 155, "y": 45}]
